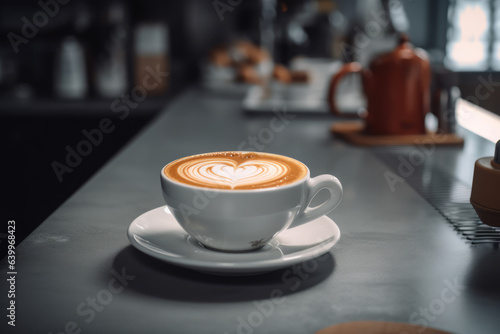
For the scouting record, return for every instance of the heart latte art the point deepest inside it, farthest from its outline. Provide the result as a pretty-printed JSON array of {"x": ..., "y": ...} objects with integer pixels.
[{"x": 236, "y": 170}]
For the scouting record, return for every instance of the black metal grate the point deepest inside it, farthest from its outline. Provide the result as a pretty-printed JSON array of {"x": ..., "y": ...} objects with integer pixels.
[{"x": 447, "y": 194}]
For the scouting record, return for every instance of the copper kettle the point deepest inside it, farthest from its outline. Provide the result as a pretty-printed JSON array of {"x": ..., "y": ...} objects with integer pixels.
[{"x": 397, "y": 87}]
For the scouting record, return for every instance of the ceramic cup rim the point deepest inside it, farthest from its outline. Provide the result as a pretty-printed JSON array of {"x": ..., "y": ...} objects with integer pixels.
[{"x": 189, "y": 186}]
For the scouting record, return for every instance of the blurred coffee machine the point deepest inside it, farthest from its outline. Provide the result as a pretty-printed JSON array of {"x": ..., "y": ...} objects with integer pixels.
[{"x": 374, "y": 30}]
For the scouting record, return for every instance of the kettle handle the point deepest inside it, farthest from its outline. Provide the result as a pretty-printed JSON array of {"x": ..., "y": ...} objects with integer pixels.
[{"x": 348, "y": 68}]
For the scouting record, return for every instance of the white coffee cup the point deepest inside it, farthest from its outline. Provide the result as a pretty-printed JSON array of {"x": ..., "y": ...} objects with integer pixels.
[{"x": 244, "y": 220}]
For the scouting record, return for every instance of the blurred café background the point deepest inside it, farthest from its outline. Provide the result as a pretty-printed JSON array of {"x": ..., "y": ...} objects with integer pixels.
[{"x": 67, "y": 65}]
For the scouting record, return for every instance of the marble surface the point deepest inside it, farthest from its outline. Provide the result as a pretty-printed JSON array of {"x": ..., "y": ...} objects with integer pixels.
[{"x": 397, "y": 259}]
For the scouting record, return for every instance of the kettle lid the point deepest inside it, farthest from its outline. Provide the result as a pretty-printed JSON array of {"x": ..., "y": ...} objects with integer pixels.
[{"x": 404, "y": 50}]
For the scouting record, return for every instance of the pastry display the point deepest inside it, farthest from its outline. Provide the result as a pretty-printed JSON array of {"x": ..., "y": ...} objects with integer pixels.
[{"x": 244, "y": 62}]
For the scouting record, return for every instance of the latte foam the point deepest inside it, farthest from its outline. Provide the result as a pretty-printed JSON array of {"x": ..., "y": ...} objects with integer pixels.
[{"x": 236, "y": 170}]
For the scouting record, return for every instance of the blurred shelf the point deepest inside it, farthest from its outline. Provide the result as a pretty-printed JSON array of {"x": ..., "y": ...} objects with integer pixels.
[{"x": 78, "y": 108}]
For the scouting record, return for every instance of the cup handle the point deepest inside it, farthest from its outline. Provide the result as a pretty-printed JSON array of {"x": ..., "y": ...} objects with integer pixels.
[{"x": 314, "y": 186}]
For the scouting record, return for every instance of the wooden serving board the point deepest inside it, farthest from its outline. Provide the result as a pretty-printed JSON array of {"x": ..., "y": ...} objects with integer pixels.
[
  {"x": 353, "y": 132},
  {"x": 378, "y": 327}
]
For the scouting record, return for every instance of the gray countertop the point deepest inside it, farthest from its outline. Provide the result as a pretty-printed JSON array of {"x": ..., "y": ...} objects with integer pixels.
[{"x": 397, "y": 259}]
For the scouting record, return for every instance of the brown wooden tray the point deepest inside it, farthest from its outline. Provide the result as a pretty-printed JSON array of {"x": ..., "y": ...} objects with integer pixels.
[
  {"x": 378, "y": 327},
  {"x": 353, "y": 132}
]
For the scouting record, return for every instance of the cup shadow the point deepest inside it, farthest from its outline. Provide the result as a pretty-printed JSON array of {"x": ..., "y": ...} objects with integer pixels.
[{"x": 162, "y": 280}]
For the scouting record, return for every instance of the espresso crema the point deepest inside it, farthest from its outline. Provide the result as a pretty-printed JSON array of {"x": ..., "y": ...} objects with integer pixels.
[{"x": 236, "y": 170}]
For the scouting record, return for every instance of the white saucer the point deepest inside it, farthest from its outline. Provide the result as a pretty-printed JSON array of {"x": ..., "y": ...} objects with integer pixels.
[{"x": 158, "y": 234}]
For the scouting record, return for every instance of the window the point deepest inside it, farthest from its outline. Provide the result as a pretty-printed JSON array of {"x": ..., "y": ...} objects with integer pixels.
[{"x": 473, "y": 35}]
